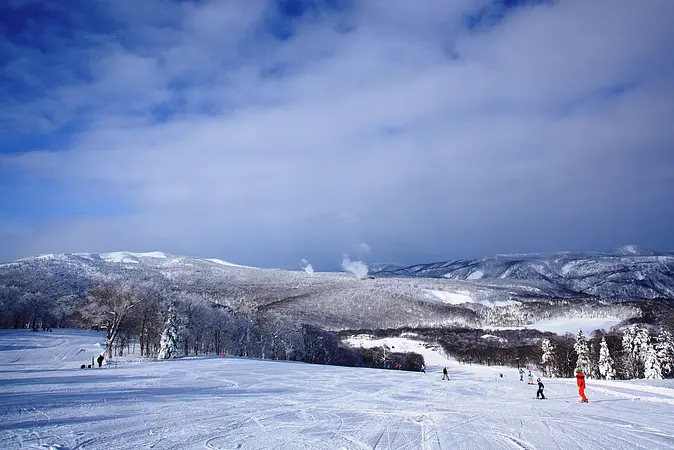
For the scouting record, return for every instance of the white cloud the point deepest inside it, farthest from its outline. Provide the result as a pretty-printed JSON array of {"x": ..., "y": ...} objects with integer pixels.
[{"x": 377, "y": 133}]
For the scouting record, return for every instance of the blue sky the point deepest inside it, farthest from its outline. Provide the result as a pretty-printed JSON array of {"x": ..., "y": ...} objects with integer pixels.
[{"x": 264, "y": 132}]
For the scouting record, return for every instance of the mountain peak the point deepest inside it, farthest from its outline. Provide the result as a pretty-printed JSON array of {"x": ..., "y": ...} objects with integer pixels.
[{"x": 634, "y": 250}]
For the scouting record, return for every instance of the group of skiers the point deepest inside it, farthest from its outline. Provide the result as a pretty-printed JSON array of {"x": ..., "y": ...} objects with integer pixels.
[{"x": 580, "y": 382}]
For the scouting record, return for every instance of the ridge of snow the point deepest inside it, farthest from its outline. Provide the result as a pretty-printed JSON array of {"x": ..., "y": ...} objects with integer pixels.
[
  {"x": 223, "y": 263},
  {"x": 130, "y": 257}
]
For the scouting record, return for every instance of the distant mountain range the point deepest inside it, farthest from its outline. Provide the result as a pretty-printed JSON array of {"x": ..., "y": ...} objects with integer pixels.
[
  {"x": 492, "y": 291},
  {"x": 628, "y": 273}
]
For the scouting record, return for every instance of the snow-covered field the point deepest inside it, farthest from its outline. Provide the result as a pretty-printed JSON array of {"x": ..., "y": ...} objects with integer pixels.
[
  {"x": 563, "y": 325},
  {"x": 572, "y": 325},
  {"x": 48, "y": 402}
]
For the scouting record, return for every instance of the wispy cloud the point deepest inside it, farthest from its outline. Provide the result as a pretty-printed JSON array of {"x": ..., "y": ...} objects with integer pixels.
[{"x": 256, "y": 130}]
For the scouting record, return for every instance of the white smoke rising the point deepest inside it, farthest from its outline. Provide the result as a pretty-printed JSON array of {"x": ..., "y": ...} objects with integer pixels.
[
  {"x": 358, "y": 268},
  {"x": 308, "y": 268}
]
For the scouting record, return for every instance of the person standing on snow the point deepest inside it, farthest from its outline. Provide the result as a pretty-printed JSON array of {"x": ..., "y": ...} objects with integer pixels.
[
  {"x": 445, "y": 374},
  {"x": 521, "y": 374},
  {"x": 540, "y": 389},
  {"x": 580, "y": 381},
  {"x": 530, "y": 378}
]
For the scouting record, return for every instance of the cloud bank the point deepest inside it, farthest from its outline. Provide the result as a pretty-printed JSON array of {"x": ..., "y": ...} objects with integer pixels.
[{"x": 259, "y": 131}]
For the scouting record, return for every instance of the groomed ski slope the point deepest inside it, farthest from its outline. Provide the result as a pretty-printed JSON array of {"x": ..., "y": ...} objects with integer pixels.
[{"x": 46, "y": 401}]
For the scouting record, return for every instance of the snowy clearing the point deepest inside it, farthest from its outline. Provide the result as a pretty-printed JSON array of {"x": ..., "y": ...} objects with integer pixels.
[
  {"x": 461, "y": 297},
  {"x": 571, "y": 325},
  {"x": 216, "y": 403}
]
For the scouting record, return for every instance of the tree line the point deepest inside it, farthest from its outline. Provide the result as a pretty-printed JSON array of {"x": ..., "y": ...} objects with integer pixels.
[
  {"x": 640, "y": 351},
  {"x": 139, "y": 319}
]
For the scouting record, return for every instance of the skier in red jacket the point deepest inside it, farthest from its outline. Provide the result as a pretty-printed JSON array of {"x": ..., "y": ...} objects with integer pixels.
[{"x": 580, "y": 381}]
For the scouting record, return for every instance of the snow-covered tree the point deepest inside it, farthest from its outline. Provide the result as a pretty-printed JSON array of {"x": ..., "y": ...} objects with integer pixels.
[
  {"x": 169, "y": 338},
  {"x": 606, "y": 363},
  {"x": 652, "y": 369},
  {"x": 594, "y": 362},
  {"x": 583, "y": 361},
  {"x": 549, "y": 359},
  {"x": 635, "y": 342},
  {"x": 665, "y": 350}
]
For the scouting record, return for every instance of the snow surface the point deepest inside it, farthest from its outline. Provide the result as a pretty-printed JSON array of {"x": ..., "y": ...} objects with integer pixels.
[
  {"x": 475, "y": 275},
  {"x": 572, "y": 325},
  {"x": 563, "y": 325},
  {"x": 48, "y": 402},
  {"x": 462, "y": 296},
  {"x": 225, "y": 263},
  {"x": 452, "y": 298}
]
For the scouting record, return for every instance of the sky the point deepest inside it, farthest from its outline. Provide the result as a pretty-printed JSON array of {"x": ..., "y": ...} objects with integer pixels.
[{"x": 265, "y": 132}]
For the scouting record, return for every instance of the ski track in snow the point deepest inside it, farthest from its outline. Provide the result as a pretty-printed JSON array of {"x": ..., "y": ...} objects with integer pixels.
[{"x": 239, "y": 403}]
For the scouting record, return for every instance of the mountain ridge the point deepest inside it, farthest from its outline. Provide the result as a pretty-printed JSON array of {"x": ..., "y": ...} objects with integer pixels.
[{"x": 629, "y": 272}]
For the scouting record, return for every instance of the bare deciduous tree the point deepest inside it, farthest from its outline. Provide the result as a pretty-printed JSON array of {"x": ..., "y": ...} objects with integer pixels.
[{"x": 107, "y": 306}]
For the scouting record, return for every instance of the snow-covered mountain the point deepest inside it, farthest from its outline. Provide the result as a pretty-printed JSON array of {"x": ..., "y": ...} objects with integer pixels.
[
  {"x": 628, "y": 273},
  {"x": 330, "y": 300},
  {"x": 510, "y": 291}
]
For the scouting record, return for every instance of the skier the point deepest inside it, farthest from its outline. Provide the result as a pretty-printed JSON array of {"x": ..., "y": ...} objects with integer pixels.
[
  {"x": 100, "y": 360},
  {"x": 540, "y": 389},
  {"x": 580, "y": 381},
  {"x": 530, "y": 378},
  {"x": 521, "y": 374},
  {"x": 445, "y": 374},
  {"x": 423, "y": 368}
]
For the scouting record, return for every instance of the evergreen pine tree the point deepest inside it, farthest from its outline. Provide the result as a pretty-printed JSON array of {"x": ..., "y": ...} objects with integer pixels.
[
  {"x": 583, "y": 361},
  {"x": 594, "y": 362},
  {"x": 606, "y": 364},
  {"x": 665, "y": 351},
  {"x": 549, "y": 360},
  {"x": 652, "y": 369},
  {"x": 634, "y": 344},
  {"x": 169, "y": 338}
]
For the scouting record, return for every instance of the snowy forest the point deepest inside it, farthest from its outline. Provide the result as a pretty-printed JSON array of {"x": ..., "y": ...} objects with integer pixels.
[
  {"x": 162, "y": 306},
  {"x": 140, "y": 320}
]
